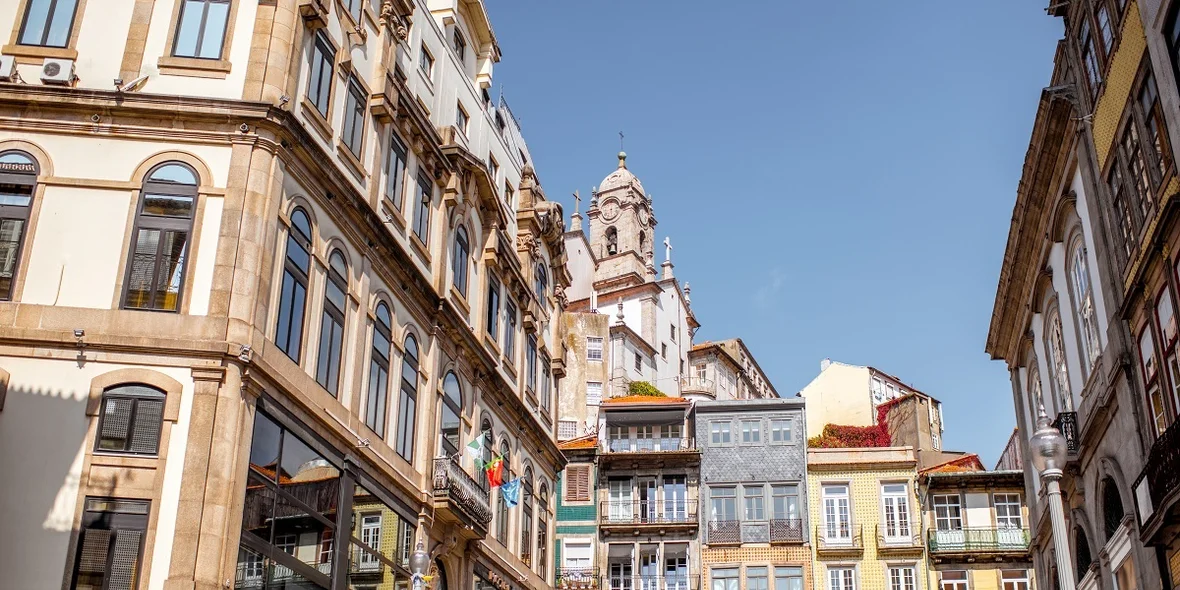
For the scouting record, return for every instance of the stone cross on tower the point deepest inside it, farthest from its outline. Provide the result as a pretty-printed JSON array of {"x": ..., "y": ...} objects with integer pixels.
[
  {"x": 577, "y": 201},
  {"x": 667, "y": 249},
  {"x": 576, "y": 218}
]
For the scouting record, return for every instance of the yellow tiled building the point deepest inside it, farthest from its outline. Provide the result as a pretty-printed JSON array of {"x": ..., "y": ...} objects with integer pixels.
[{"x": 864, "y": 512}]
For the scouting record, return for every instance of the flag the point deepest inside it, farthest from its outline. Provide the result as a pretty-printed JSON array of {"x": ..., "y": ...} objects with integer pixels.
[
  {"x": 511, "y": 492},
  {"x": 475, "y": 449},
  {"x": 495, "y": 471}
]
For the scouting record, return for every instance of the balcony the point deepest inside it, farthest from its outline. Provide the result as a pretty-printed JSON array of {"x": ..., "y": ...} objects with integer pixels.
[
  {"x": 576, "y": 579},
  {"x": 976, "y": 542},
  {"x": 698, "y": 386},
  {"x": 902, "y": 540},
  {"x": 724, "y": 532},
  {"x": 1161, "y": 475},
  {"x": 735, "y": 532},
  {"x": 458, "y": 499},
  {"x": 620, "y": 582},
  {"x": 657, "y": 452},
  {"x": 839, "y": 540},
  {"x": 786, "y": 530},
  {"x": 661, "y": 515},
  {"x": 1067, "y": 423}
]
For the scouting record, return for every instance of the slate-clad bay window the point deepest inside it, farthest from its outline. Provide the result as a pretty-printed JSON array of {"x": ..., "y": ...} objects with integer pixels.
[
  {"x": 159, "y": 244},
  {"x": 130, "y": 420},
  {"x": 332, "y": 324},
  {"x": 293, "y": 294},
  {"x": 319, "y": 82},
  {"x": 48, "y": 23},
  {"x": 18, "y": 183},
  {"x": 379, "y": 371},
  {"x": 110, "y": 543},
  {"x": 200, "y": 30}
]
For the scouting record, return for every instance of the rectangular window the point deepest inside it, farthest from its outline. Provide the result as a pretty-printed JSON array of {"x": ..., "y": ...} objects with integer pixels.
[
  {"x": 638, "y": 362},
  {"x": 1155, "y": 132},
  {"x": 110, "y": 543},
  {"x": 754, "y": 500},
  {"x": 319, "y": 82},
  {"x": 355, "y": 9},
  {"x": 354, "y": 116},
  {"x": 200, "y": 29},
  {"x": 577, "y": 558},
  {"x": 901, "y": 578},
  {"x": 493, "y": 319},
  {"x": 781, "y": 431},
  {"x": 722, "y": 579},
  {"x": 756, "y": 578},
  {"x": 593, "y": 393},
  {"x": 1090, "y": 58},
  {"x": 948, "y": 515},
  {"x": 546, "y": 383},
  {"x": 460, "y": 45},
  {"x": 953, "y": 580},
  {"x": 751, "y": 432},
  {"x": 701, "y": 372},
  {"x": 509, "y": 194},
  {"x": 510, "y": 331},
  {"x": 896, "y": 508},
  {"x": 593, "y": 349},
  {"x": 155, "y": 272},
  {"x": 1105, "y": 30},
  {"x": 663, "y": 350},
  {"x": 723, "y": 504},
  {"x": 577, "y": 483},
  {"x": 784, "y": 502},
  {"x": 841, "y": 578},
  {"x": 1008, "y": 514},
  {"x": 493, "y": 168},
  {"x": 530, "y": 363},
  {"x": 788, "y": 578},
  {"x": 567, "y": 429},
  {"x": 395, "y": 170},
  {"x": 836, "y": 513},
  {"x": 461, "y": 119},
  {"x": 672, "y": 332},
  {"x": 426, "y": 63},
  {"x": 48, "y": 23},
  {"x": 331, "y": 333},
  {"x": 719, "y": 433},
  {"x": 1018, "y": 579},
  {"x": 422, "y": 208}
]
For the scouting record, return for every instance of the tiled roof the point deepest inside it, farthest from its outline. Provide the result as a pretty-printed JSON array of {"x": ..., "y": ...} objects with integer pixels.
[
  {"x": 968, "y": 462},
  {"x": 587, "y": 441},
  {"x": 645, "y": 399}
]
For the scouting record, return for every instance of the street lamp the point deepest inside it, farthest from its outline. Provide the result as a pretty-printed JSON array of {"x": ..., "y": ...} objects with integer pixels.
[
  {"x": 419, "y": 565},
  {"x": 1048, "y": 456}
]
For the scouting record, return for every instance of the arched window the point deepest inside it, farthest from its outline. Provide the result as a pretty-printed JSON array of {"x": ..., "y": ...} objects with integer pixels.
[
  {"x": 327, "y": 371},
  {"x": 379, "y": 370},
  {"x": 540, "y": 283},
  {"x": 1063, "y": 401},
  {"x": 501, "y": 505},
  {"x": 459, "y": 256},
  {"x": 612, "y": 241},
  {"x": 1112, "y": 507},
  {"x": 440, "y": 582},
  {"x": 542, "y": 530},
  {"x": 1082, "y": 552},
  {"x": 526, "y": 517},
  {"x": 485, "y": 456},
  {"x": 293, "y": 296},
  {"x": 1035, "y": 397},
  {"x": 407, "y": 402},
  {"x": 18, "y": 183},
  {"x": 642, "y": 243},
  {"x": 452, "y": 408},
  {"x": 155, "y": 268},
  {"x": 1083, "y": 296},
  {"x": 130, "y": 420}
]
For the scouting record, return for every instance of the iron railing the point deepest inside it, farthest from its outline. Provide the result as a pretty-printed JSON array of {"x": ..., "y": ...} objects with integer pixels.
[
  {"x": 1162, "y": 470},
  {"x": 841, "y": 536},
  {"x": 576, "y": 578},
  {"x": 902, "y": 536},
  {"x": 459, "y": 488},
  {"x": 724, "y": 532},
  {"x": 698, "y": 385},
  {"x": 648, "y": 445},
  {"x": 1067, "y": 423},
  {"x": 977, "y": 539},
  {"x": 642, "y": 582},
  {"x": 648, "y": 512},
  {"x": 786, "y": 530}
]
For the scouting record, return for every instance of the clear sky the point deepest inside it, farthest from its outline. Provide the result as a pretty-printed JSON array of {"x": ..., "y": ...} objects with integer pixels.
[{"x": 837, "y": 178}]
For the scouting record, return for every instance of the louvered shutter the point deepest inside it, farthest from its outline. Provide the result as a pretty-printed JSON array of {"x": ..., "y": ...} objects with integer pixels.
[{"x": 578, "y": 485}]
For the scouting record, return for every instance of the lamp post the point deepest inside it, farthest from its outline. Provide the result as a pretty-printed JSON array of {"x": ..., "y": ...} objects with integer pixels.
[
  {"x": 1048, "y": 456},
  {"x": 419, "y": 565}
]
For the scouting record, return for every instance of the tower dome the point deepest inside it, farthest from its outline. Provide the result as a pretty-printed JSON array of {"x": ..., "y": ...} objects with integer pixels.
[{"x": 620, "y": 178}]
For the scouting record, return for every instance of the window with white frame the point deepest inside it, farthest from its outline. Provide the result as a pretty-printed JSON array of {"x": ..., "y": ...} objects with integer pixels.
[
  {"x": 841, "y": 578},
  {"x": 593, "y": 349},
  {"x": 751, "y": 432},
  {"x": 781, "y": 431},
  {"x": 788, "y": 578},
  {"x": 723, "y": 579},
  {"x": 837, "y": 513},
  {"x": 719, "y": 433},
  {"x": 948, "y": 512},
  {"x": 895, "y": 505},
  {"x": 754, "y": 501},
  {"x": 1017, "y": 580},
  {"x": 593, "y": 393},
  {"x": 1008, "y": 511},
  {"x": 577, "y": 558},
  {"x": 567, "y": 429},
  {"x": 756, "y": 578},
  {"x": 902, "y": 578},
  {"x": 784, "y": 502},
  {"x": 953, "y": 580}
]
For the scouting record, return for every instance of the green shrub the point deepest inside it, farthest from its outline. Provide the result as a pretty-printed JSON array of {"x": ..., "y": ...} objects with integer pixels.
[{"x": 645, "y": 389}]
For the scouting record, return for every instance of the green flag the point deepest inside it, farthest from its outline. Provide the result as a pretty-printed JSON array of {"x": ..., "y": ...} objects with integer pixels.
[{"x": 475, "y": 449}]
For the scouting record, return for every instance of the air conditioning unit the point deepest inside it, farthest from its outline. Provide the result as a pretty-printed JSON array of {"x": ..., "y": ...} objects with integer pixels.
[
  {"x": 57, "y": 71},
  {"x": 7, "y": 68}
]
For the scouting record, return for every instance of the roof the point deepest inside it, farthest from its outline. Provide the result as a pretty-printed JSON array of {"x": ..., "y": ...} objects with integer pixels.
[
  {"x": 967, "y": 463},
  {"x": 586, "y": 441},
  {"x": 620, "y": 178},
  {"x": 645, "y": 399}
]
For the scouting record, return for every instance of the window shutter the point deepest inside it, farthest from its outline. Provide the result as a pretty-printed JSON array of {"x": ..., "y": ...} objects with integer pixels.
[
  {"x": 577, "y": 486},
  {"x": 149, "y": 415},
  {"x": 125, "y": 561},
  {"x": 116, "y": 421},
  {"x": 93, "y": 559}
]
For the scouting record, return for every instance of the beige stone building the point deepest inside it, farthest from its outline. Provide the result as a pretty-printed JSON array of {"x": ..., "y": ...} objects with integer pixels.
[{"x": 267, "y": 268}]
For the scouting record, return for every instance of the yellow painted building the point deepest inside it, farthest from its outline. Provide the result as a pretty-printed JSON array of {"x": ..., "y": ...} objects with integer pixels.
[{"x": 864, "y": 513}]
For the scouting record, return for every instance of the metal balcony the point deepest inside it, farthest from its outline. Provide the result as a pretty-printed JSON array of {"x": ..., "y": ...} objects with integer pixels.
[
  {"x": 459, "y": 499},
  {"x": 899, "y": 539},
  {"x": 724, "y": 532},
  {"x": 698, "y": 386},
  {"x": 662, "y": 444},
  {"x": 1161, "y": 475},
  {"x": 978, "y": 540},
  {"x": 839, "y": 539},
  {"x": 1067, "y": 423},
  {"x": 786, "y": 530},
  {"x": 576, "y": 579},
  {"x": 659, "y": 514},
  {"x": 666, "y": 582}
]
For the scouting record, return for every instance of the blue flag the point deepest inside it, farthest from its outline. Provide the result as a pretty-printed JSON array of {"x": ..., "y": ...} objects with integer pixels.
[{"x": 511, "y": 492}]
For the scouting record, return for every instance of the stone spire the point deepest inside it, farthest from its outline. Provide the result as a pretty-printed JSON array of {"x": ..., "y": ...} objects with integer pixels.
[
  {"x": 667, "y": 266},
  {"x": 576, "y": 218}
]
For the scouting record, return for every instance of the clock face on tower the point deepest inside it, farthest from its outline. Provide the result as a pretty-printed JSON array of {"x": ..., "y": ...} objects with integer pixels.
[
  {"x": 610, "y": 210},
  {"x": 643, "y": 217}
]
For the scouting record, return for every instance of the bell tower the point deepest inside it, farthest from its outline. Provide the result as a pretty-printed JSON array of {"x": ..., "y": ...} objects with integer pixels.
[{"x": 622, "y": 227}]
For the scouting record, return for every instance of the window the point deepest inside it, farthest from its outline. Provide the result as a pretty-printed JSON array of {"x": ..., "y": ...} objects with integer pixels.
[
  {"x": 542, "y": 530},
  {"x": 130, "y": 420},
  {"x": 461, "y": 119},
  {"x": 501, "y": 505},
  {"x": 577, "y": 558},
  {"x": 48, "y": 23},
  {"x": 577, "y": 483},
  {"x": 593, "y": 349},
  {"x": 948, "y": 514},
  {"x": 1056, "y": 346},
  {"x": 407, "y": 403},
  {"x": 756, "y": 578},
  {"x": 1112, "y": 507},
  {"x": 895, "y": 504},
  {"x": 701, "y": 372},
  {"x": 355, "y": 9},
  {"x": 638, "y": 362},
  {"x": 18, "y": 183},
  {"x": 1018, "y": 580},
  {"x": 935, "y": 441},
  {"x": 780, "y": 431},
  {"x": 319, "y": 83},
  {"x": 723, "y": 504},
  {"x": 901, "y": 578},
  {"x": 354, "y": 116},
  {"x": 953, "y": 580},
  {"x": 493, "y": 168},
  {"x": 673, "y": 332},
  {"x": 788, "y": 578},
  {"x": 784, "y": 502},
  {"x": 530, "y": 363},
  {"x": 510, "y": 331},
  {"x": 540, "y": 284},
  {"x": 200, "y": 30},
  {"x": 1155, "y": 398},
  {"x": 664, "y": 350},
  {"x": 837, "y": 517},
  {"x": 422, "y": 211},
  {"x": 567, "y": 429},
  {"x": 371, "y": 536},
  {"x": 395, "y": 169},
  {"x": 1083, "y": 295},
  {"x": 452, "y": 408},
  {"x": 841, "y": 578},
  {"x": 327, "y": 372},
  {"x": 426, "y": 63},
  {"x": 719, "y": 433},
  {"x": 155, "y": 268},
  {"x": 110, "y": 543},
  {"x": 1090, "y": 58},
  {"x": 751, "y": 432},
  {"x": 546, "y": 383},
  {"x": 754, "y": 500},
  {"x": 725, "y": 578},
  {"x": 1141, "y": 163},
  {"x": 459, "y": 264},
  {"x": 593, "y": 393},
  {"x": 379, "y": 370},
  {"x": 1008, "y": 511},
  {"x": 1154, "y": 128},
  {"x": 493, "y": 311},
  {"x": 526, "y": 517},
  {"x": 293, "y": 294},
  {"x": 509, "y": 194},
  {"x": 1082, "y": 557},
  {"x": 1105, "y": 31},
  {"x": 460, "y": 45}
]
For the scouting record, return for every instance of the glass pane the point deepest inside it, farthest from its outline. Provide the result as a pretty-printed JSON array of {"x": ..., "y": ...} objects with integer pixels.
[
  {"x": 15, "y": 196},
  {"x": 264, "y": 447},
  {"x": 300, "y": 223},
  {"x": 297, "y": 254},
  {"x": 171, "y": 270},
  {"x": 258, "y": 509},
  {"x": 116, "y": 424},
  {"x": 215, "y": 21},
  {"x": 249, "y": 570},
  {"x": 143, "y": 265},
  {"x": 450, "y": 429},
  {"x": 36, "y": 21},
  {"x": 300, "y": 463},
  {"x": 167, "y": 206},
  {"x": 335, "y": 296},
  {"x": 11, "y": 231},
  {"x": 188, "y": 30},
  {"x": 174, "y": 173}
]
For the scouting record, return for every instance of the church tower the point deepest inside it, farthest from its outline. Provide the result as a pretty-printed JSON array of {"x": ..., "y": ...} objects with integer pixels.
[{"x": 622, "y": 229}]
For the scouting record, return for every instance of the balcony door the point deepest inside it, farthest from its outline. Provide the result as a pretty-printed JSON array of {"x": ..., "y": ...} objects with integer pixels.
[
  {"x": 621, "y": 507},
  {"x": 620, "y": 574},
  {"x": 676, "y": 567},
  {"x": 577, "y": 558},
  {"x": 649, "y": 506},
  {"x": 895, "y": 502},
  {"x": 837, "y": 516},
  {"x": 1009, "y": 521},
  {"x": 675, "y": 498},
  {"x": 371, "y": 536},
  {"x": 948, "y": 521},
  {"x": 649, "y": 567}
]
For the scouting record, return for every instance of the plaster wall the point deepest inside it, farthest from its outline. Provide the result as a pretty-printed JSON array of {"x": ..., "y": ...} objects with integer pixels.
[{"x": 838, "y": 395}]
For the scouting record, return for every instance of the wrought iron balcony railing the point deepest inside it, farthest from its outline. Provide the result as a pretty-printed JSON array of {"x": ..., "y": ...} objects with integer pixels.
[
  {"x": 698, "y": 385},
  {"x": 1067, "y": 423},
  {"x": 648, "y": 445},
  {"x": 648, "y": 512},
  {"x": 461, "y": 490},
  {"x": 839, "y": 536},
  {"x": 724, "y": 532},
  {"x": 1162, "y": 471},
  {"x": 902, "y": 535},
  {"x": 786, "y": 530},
  {"x": 576, "y": 579},
  {"x": 640, "y": 582},
  {"x": 978, "y": 539}
]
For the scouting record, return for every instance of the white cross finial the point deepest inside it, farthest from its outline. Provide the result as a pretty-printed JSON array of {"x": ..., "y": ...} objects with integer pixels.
[
  {"x": 577, "y": 201},
  {"x": 667, "y": 249}
]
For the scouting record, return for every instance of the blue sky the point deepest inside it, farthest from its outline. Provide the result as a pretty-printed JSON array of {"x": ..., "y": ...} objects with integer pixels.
[{"x": 837, "y": 178}]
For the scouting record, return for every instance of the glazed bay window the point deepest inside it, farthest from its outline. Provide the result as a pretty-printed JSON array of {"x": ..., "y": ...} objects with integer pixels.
[
  {"x": 293, "y": 293},
  {"x": 48, "y": 23},
  {"x": 319, "y": 82},
  {"x": 1151, "y": 381},
  {"x": 379, "y": 371},
  {"x": 784, "y": 503},
  {"x": 395, "y": 171},
  {"x": 354, "y": 116},
  {"x": 332, "y": 324},
  {"x": 130, "y": 420},
  {"x": 155, "y": 267},
  {"x": 110, "y": 543},
  {"x": 200, "y": 29},
  {"x": 510, "y": 330},
  {"x": 422, "y": 207},
  {"x": 18, "y": 183}
]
